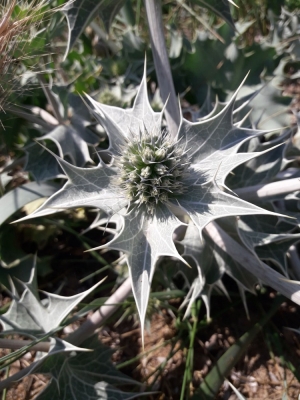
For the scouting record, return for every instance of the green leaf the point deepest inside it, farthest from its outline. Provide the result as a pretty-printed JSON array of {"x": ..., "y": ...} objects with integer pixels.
[
  {"x": 84, "y": 376},
  {"x": 127, "y": 14},
  {"x": 212, "y": 382},
  {"x": 109, "y": 10},
  {"x": 227, "y": 64}
]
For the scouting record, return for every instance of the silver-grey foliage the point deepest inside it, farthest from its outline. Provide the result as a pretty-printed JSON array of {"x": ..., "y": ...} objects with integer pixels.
[
  {"x": 27, "y": 314},
  {"x": 157, "y": 183},
  {"x": 84, "y": 375}
]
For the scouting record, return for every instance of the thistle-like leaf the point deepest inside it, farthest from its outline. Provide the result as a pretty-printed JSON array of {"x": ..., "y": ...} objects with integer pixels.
[
  {"x": 41, "y": 172},
  {"x": 80, "y": 12},
  {"x": 264, "y": 167},
  {"x": 86, "y": 187},
  {"x": 214, "y": 142},
  {"x": 69, "y": 132},
  {"x": 211, "y": 264},
  {"x": 244, "y": 279},
  {"x": 28, "y": 314},
  {"x": 17, "y": 198},
  {"x": 72, "y": 136},
  {"x": 84, "y": 375},
  {"x": 144, "y": 240},
  {"x": 71, "y": 143},
  {"x": 120, "y": 123},
  {"x": 269, "y": 246},
  {"x": 206, "y": 203},
  {"x": 269, "y": 107},
  {"x": 57, "y": 347},
  {"x": 156, "y": 179}
]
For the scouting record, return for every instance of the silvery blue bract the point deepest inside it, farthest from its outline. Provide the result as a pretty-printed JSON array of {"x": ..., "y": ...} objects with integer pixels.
[{"x": 154, "y": 179}]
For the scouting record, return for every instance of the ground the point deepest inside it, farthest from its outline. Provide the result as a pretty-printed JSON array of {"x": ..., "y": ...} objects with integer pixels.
[{"x": 262, "y": 373}]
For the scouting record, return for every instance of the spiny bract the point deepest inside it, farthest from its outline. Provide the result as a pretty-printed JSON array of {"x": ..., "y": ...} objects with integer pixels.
[{"x": 153, "y": 178}]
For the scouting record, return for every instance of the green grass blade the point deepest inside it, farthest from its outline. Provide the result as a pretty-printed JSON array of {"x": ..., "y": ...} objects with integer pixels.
[{"x": 213, "y": 381}]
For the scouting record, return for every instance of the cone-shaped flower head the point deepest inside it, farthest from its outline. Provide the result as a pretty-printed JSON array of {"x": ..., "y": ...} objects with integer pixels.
[{"x": 153, "y": 169}]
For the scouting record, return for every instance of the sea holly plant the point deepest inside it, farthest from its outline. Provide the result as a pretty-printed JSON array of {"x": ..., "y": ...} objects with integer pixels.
[
  {"x": 27, "y": 314},
  {"x": 91, "y": 376},
  {"x": 163, "y": 178},
  {"x": 70, "y": 131},
  {"x": 157, "y": 182}
]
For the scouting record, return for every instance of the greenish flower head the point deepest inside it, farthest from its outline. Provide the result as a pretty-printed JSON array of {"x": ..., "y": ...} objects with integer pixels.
[{"x": 153, "y": 169}]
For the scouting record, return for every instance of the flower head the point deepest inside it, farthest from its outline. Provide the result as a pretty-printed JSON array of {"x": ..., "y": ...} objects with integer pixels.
[
  {"x": 153, "y": 179},
  {"x": 153, "y": 169}
]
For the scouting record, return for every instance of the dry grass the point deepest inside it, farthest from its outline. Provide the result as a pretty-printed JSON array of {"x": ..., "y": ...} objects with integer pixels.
[{"x": 16, "y": 30}]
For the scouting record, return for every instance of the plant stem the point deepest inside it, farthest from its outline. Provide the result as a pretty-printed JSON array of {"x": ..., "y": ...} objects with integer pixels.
[
  {"x": 18, "y": 376},
  {"x": 247, "y": 260},
  {"x": 190, "y": 356},
  {"x": 15, "y": 344},
  {"x": 162, "y": 65},
  {"x": 295, "y": 262},
  {"x": 35, "y": 115},
  {"x": 268, "y": 191},
  {"x": 88, "y": 328},
  {"x": 51, "y": 100},
  {"x": 5, "y": 390}
]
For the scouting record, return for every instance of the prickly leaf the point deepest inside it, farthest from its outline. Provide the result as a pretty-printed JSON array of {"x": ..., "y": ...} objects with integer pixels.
[
  {"x": 155, "y": 177},
  {"x": 84, "y": 375},
  {"x": 28, "y": 314}
]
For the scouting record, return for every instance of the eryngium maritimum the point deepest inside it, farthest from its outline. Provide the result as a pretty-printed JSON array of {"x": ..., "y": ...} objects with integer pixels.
[{"x": 153, "y": 178}]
